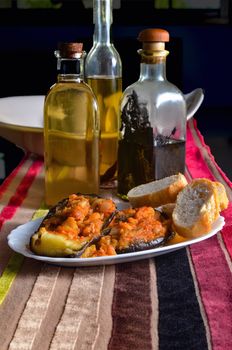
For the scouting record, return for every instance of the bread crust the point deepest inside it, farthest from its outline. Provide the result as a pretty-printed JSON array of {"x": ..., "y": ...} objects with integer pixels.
[{"x": 221, "y": 195}]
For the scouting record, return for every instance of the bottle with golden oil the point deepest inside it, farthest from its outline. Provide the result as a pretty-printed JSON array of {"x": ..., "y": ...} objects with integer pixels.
[
  {"x": 71, "y": 130},
  {"x": 103, "y": 72}
]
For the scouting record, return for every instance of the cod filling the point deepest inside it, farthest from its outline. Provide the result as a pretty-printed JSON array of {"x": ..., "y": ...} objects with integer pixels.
[{"x": 128, "y": 228}]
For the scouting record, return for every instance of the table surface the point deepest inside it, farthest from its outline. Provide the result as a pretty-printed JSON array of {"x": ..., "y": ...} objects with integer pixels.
[{"x": 182, "y": 300}]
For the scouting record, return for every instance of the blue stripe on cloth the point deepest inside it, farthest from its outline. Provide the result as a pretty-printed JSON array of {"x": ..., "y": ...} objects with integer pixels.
[{"x": 180, "y": 322}]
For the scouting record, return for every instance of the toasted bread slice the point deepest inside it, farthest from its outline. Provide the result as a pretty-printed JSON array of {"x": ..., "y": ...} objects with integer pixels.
[
  {"x": 197, "y": 207},
  {"x": 157, "y": 192}
]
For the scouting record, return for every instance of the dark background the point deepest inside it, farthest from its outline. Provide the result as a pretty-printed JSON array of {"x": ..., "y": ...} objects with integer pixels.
[{"x": 200, "y": 56}]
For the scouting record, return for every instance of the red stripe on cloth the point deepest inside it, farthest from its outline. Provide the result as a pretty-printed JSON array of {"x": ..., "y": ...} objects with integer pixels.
[
  {"x": 21, "y": 192},
  {"x": 212, "y": 269},
  {"x": 194, "y": 159},
  {"x": 9, "y": 178},
  {"x": 227, "y": 229},
  {"x": 198, "y": 168},
  {"x": 215, "y": 285}
]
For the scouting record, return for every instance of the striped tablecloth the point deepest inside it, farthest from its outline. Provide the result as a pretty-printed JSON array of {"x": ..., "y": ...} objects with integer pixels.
[{"x": 182, "y": 300}]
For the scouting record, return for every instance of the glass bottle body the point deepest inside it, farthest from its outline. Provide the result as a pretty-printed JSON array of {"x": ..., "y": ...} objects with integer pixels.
[
  {"x": 71, "y": 136},
  {"x": 104, "y": 75},
  {"x": 153, "y": 128}
]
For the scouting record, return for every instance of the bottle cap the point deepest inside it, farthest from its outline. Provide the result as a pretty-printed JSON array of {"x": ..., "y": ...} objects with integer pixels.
[
  {"x": 153, "y": 35},
  {"x": 153, "y": 39},
  {"x": 70, "y": 50}
]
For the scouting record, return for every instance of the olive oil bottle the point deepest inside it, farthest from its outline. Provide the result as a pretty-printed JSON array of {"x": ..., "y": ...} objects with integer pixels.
[
  {"x": 71, "y": 130},
  {"x": 104, "y": 74}
]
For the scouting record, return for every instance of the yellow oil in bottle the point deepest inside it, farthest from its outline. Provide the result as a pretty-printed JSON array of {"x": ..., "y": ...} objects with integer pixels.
[
  {"x": 71, "y": 135},
  {"x": 108, "y": 92}
]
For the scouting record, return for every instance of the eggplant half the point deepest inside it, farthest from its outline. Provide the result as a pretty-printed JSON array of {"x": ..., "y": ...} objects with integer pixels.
[
  {"x": 72, "y": 225},
  {"x": 131, "y": 230}
]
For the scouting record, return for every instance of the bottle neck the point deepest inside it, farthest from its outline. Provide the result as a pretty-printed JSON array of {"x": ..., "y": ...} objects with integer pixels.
[
  {"x": 153, "y": 65},
  {"x": 153, "y": 71},
  {"x": 69, "y": 69},
  {"x": 102, "y": 18}
]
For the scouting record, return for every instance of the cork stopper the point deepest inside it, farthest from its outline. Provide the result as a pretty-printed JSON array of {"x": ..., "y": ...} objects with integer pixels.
[
  {"x": 70, "y": 50},
  {"x": 153, "y": 38}
]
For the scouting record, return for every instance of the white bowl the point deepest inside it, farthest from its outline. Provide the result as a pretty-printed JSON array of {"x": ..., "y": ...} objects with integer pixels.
[{"x": 21, "y": 122}]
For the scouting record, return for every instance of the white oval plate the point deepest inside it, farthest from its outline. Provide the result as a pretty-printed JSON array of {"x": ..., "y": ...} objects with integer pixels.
[{"x": 19, "y": 238}]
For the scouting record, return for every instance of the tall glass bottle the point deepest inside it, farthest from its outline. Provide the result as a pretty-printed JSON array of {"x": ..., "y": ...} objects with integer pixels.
[
  {"x": 104, "y": 74},
  {"x": 71, "y": 130},
  {"x": 153, "y": 119}
]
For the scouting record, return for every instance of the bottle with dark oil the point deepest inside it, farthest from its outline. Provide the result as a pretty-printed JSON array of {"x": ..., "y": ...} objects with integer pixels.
[{"x": 153, "y": 120}]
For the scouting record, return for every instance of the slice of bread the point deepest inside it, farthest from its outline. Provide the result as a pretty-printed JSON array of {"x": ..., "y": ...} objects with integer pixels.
[
  {"x": 157, "y": 192},
  {"x": 197, "y": 207}
]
